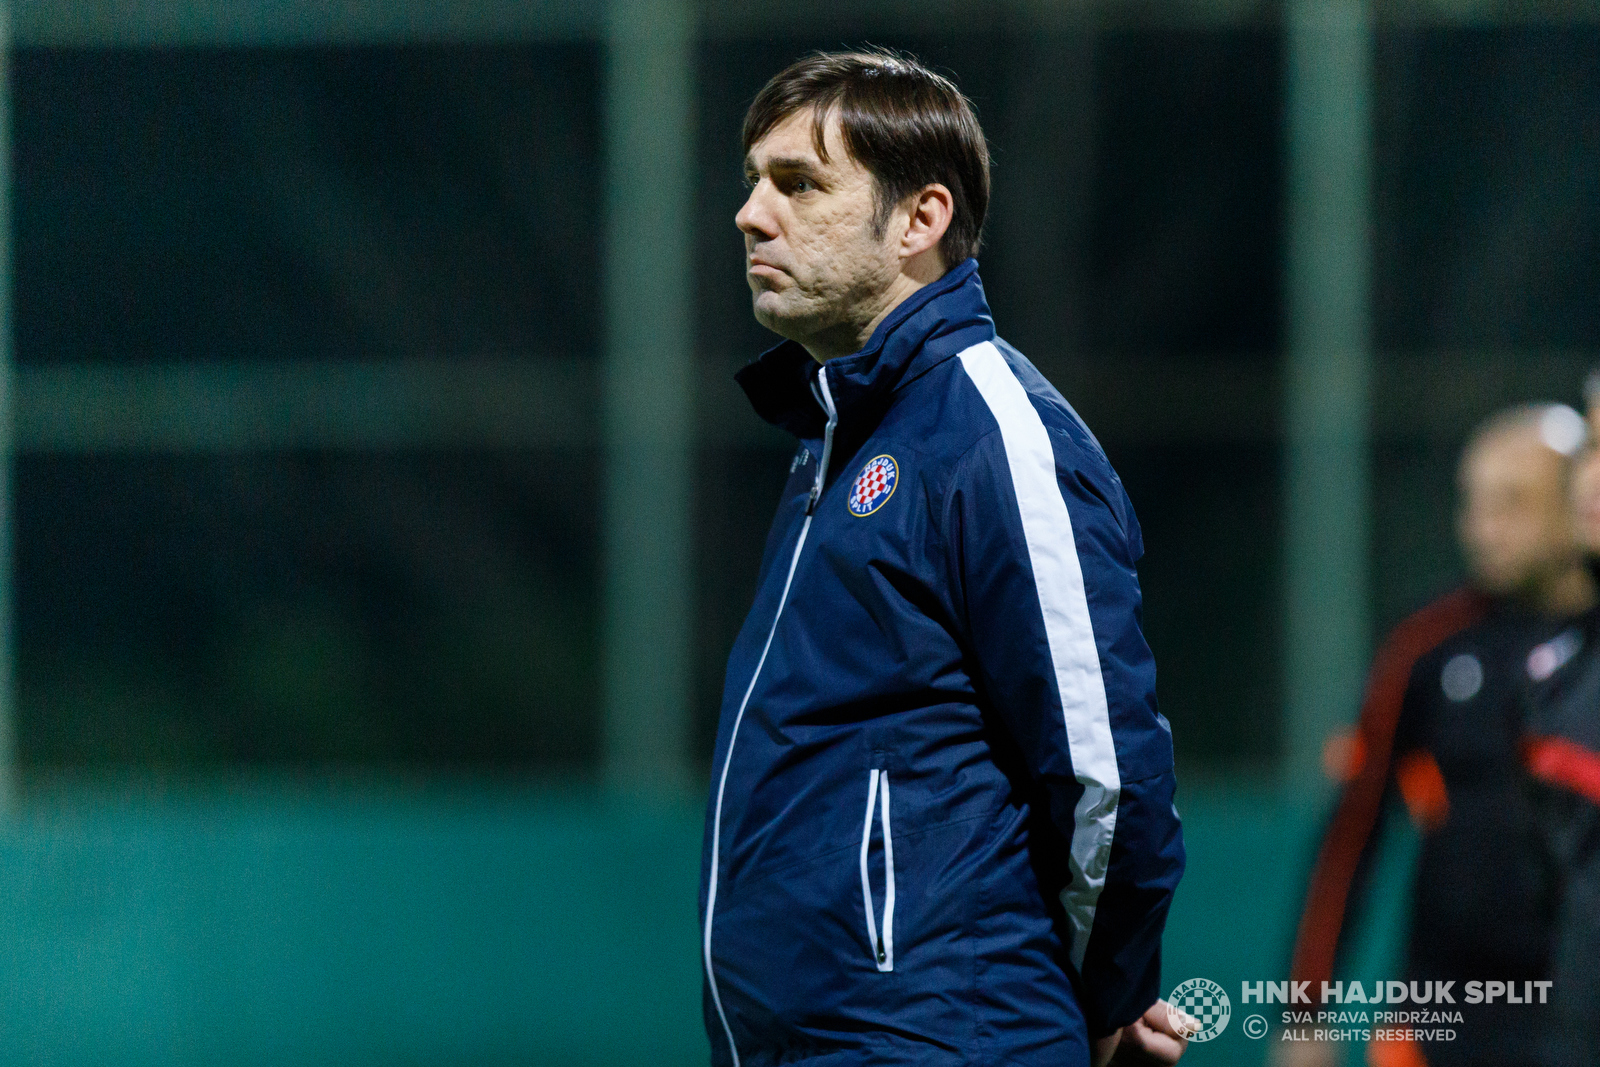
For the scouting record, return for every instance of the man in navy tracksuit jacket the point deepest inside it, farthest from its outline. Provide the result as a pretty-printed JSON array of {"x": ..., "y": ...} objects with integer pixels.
[{"x": 941, "y": 826}]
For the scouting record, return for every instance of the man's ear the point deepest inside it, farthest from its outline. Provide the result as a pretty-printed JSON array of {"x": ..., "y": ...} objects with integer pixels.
[{"x": 930, "y": 211}]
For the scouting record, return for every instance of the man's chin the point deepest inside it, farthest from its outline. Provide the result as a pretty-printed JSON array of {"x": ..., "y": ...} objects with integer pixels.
[{"x": 771, "y": 311}]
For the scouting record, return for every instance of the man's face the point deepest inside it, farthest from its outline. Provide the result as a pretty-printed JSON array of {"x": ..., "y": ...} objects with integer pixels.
[
  {"x": 1515, "y": 524},
  {"x": 1586, "y": 499},
  {"x": 817, "y": 272}
]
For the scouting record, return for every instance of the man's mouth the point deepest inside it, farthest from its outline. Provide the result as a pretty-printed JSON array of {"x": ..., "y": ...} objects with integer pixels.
[{"x": 764, "y": 273}]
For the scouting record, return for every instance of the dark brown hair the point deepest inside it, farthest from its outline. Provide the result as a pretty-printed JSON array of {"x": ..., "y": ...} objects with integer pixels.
[{"x": 906, "y": 125}]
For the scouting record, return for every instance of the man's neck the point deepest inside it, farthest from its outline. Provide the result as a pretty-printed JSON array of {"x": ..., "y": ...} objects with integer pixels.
[
  {"x": 848, "y": 338},
  {"x": 843, "y": 340}
]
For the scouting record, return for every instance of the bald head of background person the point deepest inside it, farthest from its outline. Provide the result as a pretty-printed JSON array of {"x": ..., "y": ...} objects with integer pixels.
[{"x": 1514, "y": 520}]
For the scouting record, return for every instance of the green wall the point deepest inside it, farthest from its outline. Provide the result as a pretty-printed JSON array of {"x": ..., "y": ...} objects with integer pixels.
[{"x": 291, "y": 923}]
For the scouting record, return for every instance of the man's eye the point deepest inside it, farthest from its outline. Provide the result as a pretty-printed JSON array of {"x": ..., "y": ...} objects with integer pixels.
[{"x": 803, "y": 185}]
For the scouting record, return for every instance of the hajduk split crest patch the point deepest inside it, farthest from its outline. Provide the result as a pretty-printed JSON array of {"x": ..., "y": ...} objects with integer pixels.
[{"x": 874, "y": 485}]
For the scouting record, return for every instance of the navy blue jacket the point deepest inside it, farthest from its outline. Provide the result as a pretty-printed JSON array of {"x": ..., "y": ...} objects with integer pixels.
[{"x": 941, "y": 826}]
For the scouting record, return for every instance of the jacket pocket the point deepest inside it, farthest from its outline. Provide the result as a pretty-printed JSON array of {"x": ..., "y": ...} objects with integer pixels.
[{"x": 882, "y": 941}]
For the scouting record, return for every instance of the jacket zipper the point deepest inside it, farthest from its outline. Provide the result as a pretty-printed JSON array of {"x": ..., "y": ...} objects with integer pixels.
[
  {"x": 882, "y": 947},
  {"x": 819, "y": 389}
]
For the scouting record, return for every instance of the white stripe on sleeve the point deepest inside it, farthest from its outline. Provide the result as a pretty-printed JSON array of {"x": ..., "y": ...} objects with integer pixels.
[{"x": 1058, "y": 578}]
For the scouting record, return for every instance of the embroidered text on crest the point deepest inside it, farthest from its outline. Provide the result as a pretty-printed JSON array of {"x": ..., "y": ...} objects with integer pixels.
[{"x": 874, "y": 485}]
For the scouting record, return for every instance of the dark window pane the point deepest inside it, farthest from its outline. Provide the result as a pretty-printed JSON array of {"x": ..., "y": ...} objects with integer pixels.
[
  {"x": 1487, "y": 188},
  {"x": 1188, "y": 221},
  {"x": 337, "y": 203},
  {"x": 392, "y": 608},
  {"x": 1212, "y": 586}
]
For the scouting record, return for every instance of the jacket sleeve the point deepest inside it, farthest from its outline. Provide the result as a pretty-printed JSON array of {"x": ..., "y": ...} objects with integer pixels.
[
  {"x": 1045, "y": 543},
  {"x": 1386, "y": 732},
  {"x": 1349, "y": 843}
]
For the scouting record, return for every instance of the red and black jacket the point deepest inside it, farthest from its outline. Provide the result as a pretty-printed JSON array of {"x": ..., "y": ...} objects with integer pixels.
[{"x": 1562, "y": 753}]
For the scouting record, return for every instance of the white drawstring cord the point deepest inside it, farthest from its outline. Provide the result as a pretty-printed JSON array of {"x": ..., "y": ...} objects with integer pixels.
[{"x": 819, "y": 389}]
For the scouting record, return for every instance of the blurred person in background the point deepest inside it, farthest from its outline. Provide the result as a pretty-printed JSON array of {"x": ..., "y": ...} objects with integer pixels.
[
  {"x": 945, "y": 631},
  {"x": 1562, "y": 752},
  {"x": 1591, "y": 404},
  {"x": 1439, "y": 730}
]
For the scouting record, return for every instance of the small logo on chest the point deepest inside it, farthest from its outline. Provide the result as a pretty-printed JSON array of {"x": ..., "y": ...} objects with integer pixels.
[
  {"x": 1551, "y": 656},
  {"x": 874, "y": 485},
  {"x": 1462, "y": 677}
]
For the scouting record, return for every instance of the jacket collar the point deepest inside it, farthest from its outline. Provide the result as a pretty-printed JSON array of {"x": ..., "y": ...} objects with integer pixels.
[{"x": 927, "y": 328}]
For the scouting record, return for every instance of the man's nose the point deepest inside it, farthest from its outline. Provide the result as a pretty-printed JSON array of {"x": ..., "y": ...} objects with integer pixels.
[{"x": 755, "y": 218}]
